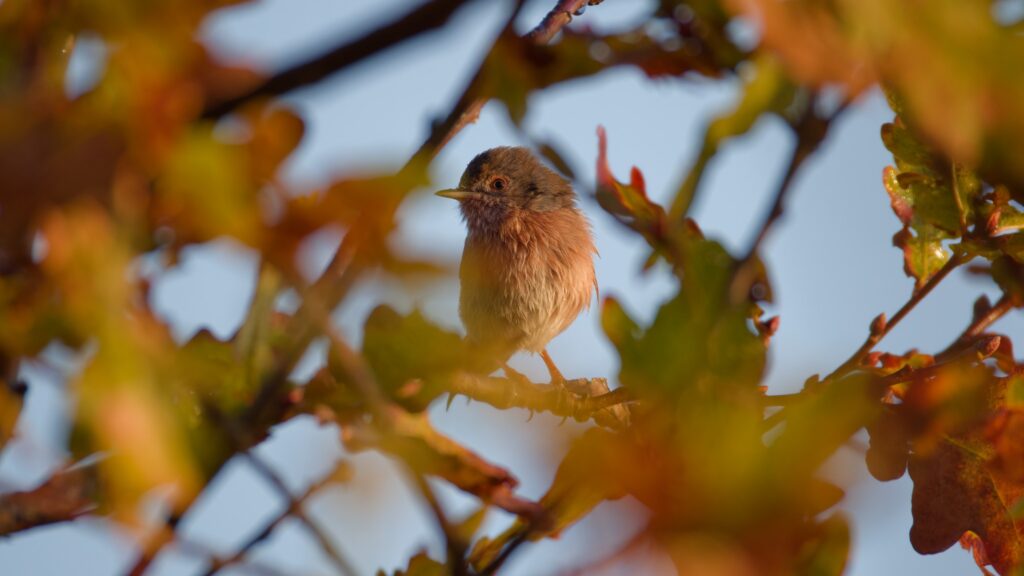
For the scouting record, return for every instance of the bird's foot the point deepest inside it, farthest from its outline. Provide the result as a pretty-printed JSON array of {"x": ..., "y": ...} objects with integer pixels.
[{"x": 556, "y": 376}]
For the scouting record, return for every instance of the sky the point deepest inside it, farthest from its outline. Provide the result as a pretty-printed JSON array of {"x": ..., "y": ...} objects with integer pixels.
[{"x": 830, "y": 260}]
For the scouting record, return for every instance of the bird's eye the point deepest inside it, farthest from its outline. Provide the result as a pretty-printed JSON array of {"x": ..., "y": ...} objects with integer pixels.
[{"x": 499, "y": 183}]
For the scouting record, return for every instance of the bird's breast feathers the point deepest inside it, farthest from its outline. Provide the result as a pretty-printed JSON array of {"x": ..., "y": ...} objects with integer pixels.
[{"x": 528, "y": 279}]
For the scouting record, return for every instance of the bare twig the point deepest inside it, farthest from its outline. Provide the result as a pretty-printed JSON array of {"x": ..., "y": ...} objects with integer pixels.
[
  {"x": 556, "y": 19},
  {"x": 467, "y": 108},
  {"x": 425, "y": 18},
  {"x": 198, "y": 550},
  {"x": 876, "y": 335},
  {"x": 810, "y": 132},
  {"x": 978, "y": 325},
  {"x": 294, "y": 508},
  {"x": 342, "y": 565},
  {"x": 453, "y": 543}
]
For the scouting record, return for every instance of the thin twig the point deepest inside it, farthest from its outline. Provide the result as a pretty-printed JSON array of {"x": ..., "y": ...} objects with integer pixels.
[
  {"x": 556, "y": 19},
  {"x": 293, "y": 508},
  {"x": 198, "y": 550},
  {"x": 876, "y": 336},
  {"x": 979, "y": 324},
  {"x": 454, "y": 544},
  {"x": 467, "y": 108},
  {"x": 425, "y": 18},
  {"x": 810, "y": 131},
  {"x": 342, "y": 565}
]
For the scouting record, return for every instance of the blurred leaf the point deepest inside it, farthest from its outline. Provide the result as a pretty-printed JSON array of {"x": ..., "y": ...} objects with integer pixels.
[
  {"x": 123, "y": 391},
  {"x": 955, "y": 69},
  {"x": 827, "y": 552},
  {"x": 516, "y": 66},
  {"x": 410, "y": 351},
  {"x": 955, "y": 492},
  {"x": 415, "y": 442},
  {"x": 422, "y": 565},
  {"x": 822, "y": 422},
  {"x": 766, "y": 90},
  {"x": 206, "y": 191},
  {"x": 699, "y": 343},
  {"x": 12, "y": 396},
  {"x": 589, "y": 474},
  {"x": 276, "y": 132},
  {"x": 889, "y": 447}
]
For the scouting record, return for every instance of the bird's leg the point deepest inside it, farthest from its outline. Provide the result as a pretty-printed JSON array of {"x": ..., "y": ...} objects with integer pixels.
[{"x": 556, "y": 376}]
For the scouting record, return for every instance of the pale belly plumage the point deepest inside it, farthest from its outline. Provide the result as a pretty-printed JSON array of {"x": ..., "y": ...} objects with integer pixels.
[{"x": 516, "y": 296}]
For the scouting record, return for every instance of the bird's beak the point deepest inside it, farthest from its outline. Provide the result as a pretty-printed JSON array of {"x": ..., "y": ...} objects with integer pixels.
[{"x": 455, "y": 194}]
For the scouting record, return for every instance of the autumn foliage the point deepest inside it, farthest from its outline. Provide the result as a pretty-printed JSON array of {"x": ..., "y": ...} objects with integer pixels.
[{"x": 172, "y": 148}]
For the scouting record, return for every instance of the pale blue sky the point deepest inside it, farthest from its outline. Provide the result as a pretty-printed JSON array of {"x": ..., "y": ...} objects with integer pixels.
[{"x": 830, "y": 259}]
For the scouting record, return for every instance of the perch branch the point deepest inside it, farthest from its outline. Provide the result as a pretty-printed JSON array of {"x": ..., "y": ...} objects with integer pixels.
[{"x": 504, "y": 393}]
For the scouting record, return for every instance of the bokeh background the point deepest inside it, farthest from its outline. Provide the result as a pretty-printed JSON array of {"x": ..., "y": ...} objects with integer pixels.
[{"x": 831, "y": 262}]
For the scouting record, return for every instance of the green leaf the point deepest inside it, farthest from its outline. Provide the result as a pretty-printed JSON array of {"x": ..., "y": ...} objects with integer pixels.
[
  {"x": 827, "y": 552},
  {"x": 699, "y": 342},
  {"x": 590, "y": 473},
  {"x": 410, "y": 351},
  {"x": 422, "y": 565},
  {"x": 934, "y": 198}
]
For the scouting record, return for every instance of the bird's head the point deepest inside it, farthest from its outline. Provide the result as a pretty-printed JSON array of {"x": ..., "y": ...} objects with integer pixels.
[{"x": 505, "y": 180}]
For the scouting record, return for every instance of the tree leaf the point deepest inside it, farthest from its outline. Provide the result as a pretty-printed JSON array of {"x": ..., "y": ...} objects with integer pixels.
[{"x": 955, "y": 492}]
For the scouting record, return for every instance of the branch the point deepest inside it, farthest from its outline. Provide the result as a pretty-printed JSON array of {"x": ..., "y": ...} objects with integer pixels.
[
  {"x": 557, "y": 18},
  {"x": 880, "y": 328},
  {"x": 453, "y": 543},
  {"x": 294, "y": 508},
  {"x": 605, "y": 407},
  {"x": 978, "y": 325},
  {"x": 342, "y": 565},
  {"x": 65, "y": 496},
  {"x": 810, "y": 131},
  {"x": 427, "y": 17},
  {"x": 467, "y": 108}
]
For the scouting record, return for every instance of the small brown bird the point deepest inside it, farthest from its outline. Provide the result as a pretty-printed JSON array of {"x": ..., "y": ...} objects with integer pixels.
[{"x": 527, "y": 268}]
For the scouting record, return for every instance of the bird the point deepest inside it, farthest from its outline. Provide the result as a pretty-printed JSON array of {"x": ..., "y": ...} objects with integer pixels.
[{"x": 527, "y": 268}]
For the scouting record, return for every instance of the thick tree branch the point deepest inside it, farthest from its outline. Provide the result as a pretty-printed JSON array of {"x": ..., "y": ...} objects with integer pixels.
[
  {"x": 425, "y": 18},
  {"x": 65, "y": 496}
]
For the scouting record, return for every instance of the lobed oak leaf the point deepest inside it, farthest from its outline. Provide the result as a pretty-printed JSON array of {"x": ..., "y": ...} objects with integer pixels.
[{"x": 956, "y": 492}]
